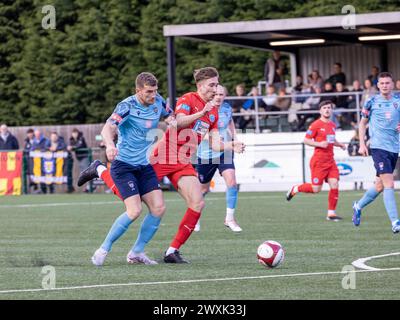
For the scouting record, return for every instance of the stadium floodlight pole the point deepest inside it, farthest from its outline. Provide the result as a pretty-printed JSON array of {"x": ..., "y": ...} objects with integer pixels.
[{"x": 171, "y": 72}]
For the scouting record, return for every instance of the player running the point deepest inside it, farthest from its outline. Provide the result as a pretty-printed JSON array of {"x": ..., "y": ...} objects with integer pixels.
[
  {"x": 195, "y": 117},
  {"x": 321, "y": 135},
  {"x": 209, "y": 161},
  {"x": 382, "y": 112},
  {"x": 131, "y": 172}
]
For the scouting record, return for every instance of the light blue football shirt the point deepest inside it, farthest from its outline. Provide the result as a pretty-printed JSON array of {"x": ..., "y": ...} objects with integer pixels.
[
  {"x": 135, "y": 128},
  {"x": 204, "y": 150},
  {"x": 384, "y": 117}
]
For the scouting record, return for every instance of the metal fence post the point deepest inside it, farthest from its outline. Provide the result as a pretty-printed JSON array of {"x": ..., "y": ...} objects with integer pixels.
[{"x": 257, "y": 116}]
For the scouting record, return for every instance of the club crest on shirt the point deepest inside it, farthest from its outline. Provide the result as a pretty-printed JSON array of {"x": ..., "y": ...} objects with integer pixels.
[
  {"x": 395, "y": 105},
  {"x": 212, "y": 118},
  {"x": 155, "y": 109}
]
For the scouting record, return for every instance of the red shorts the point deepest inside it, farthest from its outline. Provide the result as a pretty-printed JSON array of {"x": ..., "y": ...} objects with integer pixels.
[
  {"x": 174, "y": 172},
  {"x": 322, "y": 170}
]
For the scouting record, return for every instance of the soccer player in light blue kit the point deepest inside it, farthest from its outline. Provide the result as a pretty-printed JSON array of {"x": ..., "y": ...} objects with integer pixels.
[
  {"x": 382, "y": 112},
  {"x": 133, "y": 118},
  {"x": 209, "y": 161}
]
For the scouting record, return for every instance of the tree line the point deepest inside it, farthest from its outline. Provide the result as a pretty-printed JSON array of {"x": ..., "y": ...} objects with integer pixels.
[{"x": 77, "y": 72}]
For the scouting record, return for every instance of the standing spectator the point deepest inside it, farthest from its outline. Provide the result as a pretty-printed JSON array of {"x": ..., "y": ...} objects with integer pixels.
[
  {"x": 28, "y": 142},
  {"x": 374, "y": 76},
  {"x": 56, "y": 143},
  {"x": 275, "y": 70},
  {"x": 78, "y": 144},
  {"x": 338, "y": 75},
  {"x": 39, "y": 144},
  {"x": 7, "y": 140}
]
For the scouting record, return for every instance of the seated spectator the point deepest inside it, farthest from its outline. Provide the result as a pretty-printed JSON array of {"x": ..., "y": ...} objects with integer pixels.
[
  {"x": 271, "y": 100},
  {"x": 283, "y": 103},
  {"x": 374, "y": 76},
  {"x": 328, "y": 88},
  {"x": 315, "y": 80},
  {"x": 311, "y": 103},
  {"x": 7, "y": 140},
  {"x": 338, "y": 75},
  {"x": 237, "y": 104},
  {"x": 248, "y": 108},
  {"x": 299, "y": 88},
  {"x": 368, "y": 92}
]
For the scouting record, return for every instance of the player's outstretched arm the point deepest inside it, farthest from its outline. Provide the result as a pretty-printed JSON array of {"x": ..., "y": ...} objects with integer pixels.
[
  {"x": 108, "y": 133},
  {"x": 340, "y": 145},
  {"x": 219, "y": 146}
]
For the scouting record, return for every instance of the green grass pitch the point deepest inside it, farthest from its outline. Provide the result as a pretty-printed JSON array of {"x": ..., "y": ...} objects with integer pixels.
[{"x": 63, "y": 231}]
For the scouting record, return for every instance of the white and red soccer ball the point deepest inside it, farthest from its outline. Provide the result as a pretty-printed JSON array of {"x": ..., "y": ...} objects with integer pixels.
[{"x": 270, "y": 254}]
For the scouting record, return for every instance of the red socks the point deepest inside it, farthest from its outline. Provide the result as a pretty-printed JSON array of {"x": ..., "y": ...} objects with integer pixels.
[
  {"x": 186, "y": 227},
  {"x": 333, "y": 199},
  {"x": 106, "y": 177},
  {"x": 306, "y": 188}
]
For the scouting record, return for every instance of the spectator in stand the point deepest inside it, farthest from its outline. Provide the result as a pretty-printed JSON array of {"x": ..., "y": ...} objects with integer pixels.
[
  {"x": 299, "y": 88},
  {"x": 368, "y": 92},
  {"x": 341, "y": 106},
  {"x": 77, "y": 144},
  {"x": 338, "y": 75},
  {"x": 283, "y": 103},
  {"x": 248, "y": 108},
  {"x": 328, "y": 88},
  {"x": 39, "y": 144},
  {"x": 315, "y": 80},
  {"x": 56, "y": 143},
  {"x": 271, "y": 100},
  {"x": 275, "y": 71},
  {"x": 237, "y": 104},
  {"x": 374, "y": 76},
  {"x": 352, "y": 100},
  {"x": 7, "y": 140},
  {"x": 312, "y": 103},
  {"x": 27, "y": 148}
]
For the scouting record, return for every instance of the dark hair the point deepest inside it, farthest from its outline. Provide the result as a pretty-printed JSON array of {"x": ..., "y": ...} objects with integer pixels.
[
  {"x": 204, "y": 74},
  {"x": 385, "y": 75},
  {"x": 338, "y": 64},
  {"x": 324, "y": 103},
  {"x": 29, "y": 131},
  {"x": 146, "y": 79},
  {"x": 75, "y": 130}
]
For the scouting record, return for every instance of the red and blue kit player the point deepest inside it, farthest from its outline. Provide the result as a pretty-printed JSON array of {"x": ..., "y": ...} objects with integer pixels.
[
  {"x": 131, "y": 171},
  {"x": 195, "y": 116},
  {"x": 382, "y": 113},
  {"x": 321, "y": 135},
  {"x": 209, "y": 161}
]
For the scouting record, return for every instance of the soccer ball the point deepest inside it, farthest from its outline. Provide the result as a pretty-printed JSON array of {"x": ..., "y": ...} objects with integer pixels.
[{"x": 270, "y": 254}]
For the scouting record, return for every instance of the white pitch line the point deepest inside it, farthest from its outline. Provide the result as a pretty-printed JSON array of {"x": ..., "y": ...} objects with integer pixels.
[
  {"x": 360, "y": 263},
  {"x": 93, "y": 203},
  {"x": 191, "y": 281}
]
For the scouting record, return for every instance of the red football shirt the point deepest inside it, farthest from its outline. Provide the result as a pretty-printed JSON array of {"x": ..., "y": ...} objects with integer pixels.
[
  {"x": 322, "y": 131},
  {"x": 182, "y": 143}
]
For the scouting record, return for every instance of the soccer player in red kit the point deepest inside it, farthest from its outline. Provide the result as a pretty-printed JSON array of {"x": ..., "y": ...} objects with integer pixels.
[
  {"x": 195, "y": 117},
  {"x": 321, "y": 135}
]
